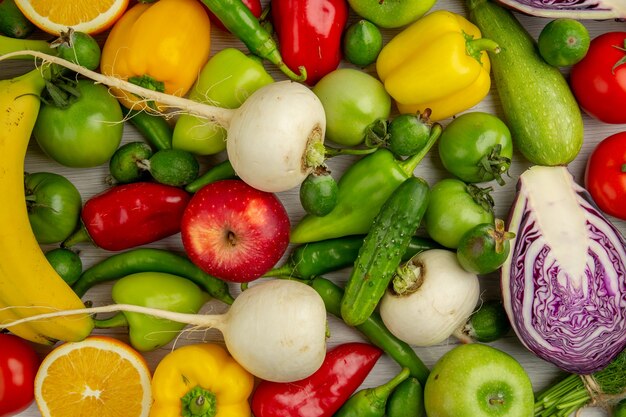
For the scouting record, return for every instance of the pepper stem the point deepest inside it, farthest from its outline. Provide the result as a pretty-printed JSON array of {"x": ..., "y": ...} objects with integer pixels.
[
  {"x": 474, "y": 46},
  {"x": 275, "y": 58},
  {"x": 198, "y": 402},
  {"x": 410, "y": 163},
  {"x": 80, "y": 235},
  {"x": 117, "y": 320},
  {"x": 381, "y": 393}
]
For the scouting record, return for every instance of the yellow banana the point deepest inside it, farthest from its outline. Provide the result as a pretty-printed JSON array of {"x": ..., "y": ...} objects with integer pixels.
[{"x": 28, "y": 284}]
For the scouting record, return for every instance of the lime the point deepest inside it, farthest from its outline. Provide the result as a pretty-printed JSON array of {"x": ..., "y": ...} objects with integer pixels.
[
  {"x": 67, "y": 263},
  {"x": 126, "y": 164},
  {"x": 563, "y": 42},
  {"x": 318, "y": 194},
  {"x": 174, "y": 167},
  {"x": 362, "y": 43}
]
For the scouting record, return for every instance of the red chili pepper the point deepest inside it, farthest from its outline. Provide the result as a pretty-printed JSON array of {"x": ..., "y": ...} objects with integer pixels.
[
  {"x": 320, "y": 395},
  {"x": 309, "y": 34},
  {"x": 131, "y": 215}
]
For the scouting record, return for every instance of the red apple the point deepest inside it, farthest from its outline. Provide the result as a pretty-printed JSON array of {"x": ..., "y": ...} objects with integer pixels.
[{"x": 234, "y": 231}]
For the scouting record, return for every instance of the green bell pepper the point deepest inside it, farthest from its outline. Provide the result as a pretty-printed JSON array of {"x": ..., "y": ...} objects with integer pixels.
[
  {"x": 363, "y": 189},
  {"x": 227, "y": 79},
  {"x": 156, "y": 290}
]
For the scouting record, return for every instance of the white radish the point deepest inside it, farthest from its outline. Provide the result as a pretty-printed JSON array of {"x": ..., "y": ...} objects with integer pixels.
[
  {"x": 275, "y": 329},
  {"x": 274, "y": 144},
  {"x": 430, "y": 298},
  {"x": 275, "y": 138}
]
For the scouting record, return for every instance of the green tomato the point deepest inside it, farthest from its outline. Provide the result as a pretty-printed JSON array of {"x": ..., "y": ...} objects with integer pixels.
[
  {"x": 85, "y": 134},
  {"x": 53, "y": 204},
  {"x": 476, "y": 147},
  {"x": 484, "y": 248},
  {"x": 390, "y": 14},
  {"x": 352, "y": 100},
  {"x": 454, "y": 208}
]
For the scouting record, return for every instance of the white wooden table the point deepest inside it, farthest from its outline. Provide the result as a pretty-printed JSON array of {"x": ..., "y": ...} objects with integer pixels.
[{"x": 91, "y": 181}]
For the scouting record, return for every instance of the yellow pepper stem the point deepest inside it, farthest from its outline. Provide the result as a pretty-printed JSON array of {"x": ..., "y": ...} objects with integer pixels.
[
  {"x": 199, "y": 402},
  {"x": 474, "y": 47}
]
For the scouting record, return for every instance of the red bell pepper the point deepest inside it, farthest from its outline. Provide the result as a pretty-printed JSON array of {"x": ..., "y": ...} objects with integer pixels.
[
  {"x": 309, "y": 34},
  {"x": 320, "y": 395},
  {"x": 130, "y": 215}
]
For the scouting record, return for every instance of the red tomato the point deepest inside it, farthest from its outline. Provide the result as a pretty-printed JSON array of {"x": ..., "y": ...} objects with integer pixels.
[
  {"x": 18, "y": 366},
  {"x": 254, "y": 6},
  {"x": 599, "y": 79},
  {"x": 605, "y": 175}
]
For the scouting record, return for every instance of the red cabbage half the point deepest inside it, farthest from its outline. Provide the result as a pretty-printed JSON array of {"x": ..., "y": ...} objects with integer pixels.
[
  {"x": 575, "y": 9},
  {"x": 564, "y": 283}
]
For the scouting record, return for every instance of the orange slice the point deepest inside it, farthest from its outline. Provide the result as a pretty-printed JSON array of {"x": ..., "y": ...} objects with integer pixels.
[
  {"x": 99, "y": 376},
  {"x": 89, "y": 16}
]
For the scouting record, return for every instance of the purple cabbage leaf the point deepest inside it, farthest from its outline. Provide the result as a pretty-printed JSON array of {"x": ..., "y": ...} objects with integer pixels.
[{"x": 564, "y": 283}]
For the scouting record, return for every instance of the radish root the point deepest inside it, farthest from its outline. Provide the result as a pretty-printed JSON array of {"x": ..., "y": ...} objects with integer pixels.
[
  {"x": 201, "y": 321},
  {"x": 213, "y": 114}
]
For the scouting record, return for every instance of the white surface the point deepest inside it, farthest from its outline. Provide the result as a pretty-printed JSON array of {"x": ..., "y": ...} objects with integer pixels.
[{"x": 92, "y": 181}]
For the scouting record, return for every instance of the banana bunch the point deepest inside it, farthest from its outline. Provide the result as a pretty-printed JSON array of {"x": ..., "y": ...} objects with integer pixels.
[{"x": 28, "y": 284}]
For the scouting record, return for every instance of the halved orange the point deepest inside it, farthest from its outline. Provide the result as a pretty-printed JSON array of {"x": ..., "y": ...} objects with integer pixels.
[
  {"x": 99, "y": 376},
  {"x": 89, "y": 16}
]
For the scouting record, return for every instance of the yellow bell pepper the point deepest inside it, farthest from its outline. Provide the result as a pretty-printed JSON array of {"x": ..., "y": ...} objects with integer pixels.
[
  {"x": 438, "y": 62},
  {"x": 161, "y": 46},
  {"x": 200, "y": 380}
]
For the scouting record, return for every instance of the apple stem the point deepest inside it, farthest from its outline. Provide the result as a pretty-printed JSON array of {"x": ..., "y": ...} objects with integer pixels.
[{"x": 217, "y": 321}]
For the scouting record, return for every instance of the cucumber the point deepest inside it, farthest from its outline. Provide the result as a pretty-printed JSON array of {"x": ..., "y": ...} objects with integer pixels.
[
  {"x": 12, "y": 22},
  {"x": 382, "y": 249},
  {"x": 539, "y": 107}
]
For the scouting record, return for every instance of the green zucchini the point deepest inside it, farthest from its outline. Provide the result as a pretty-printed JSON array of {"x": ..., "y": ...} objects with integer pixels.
[
  {"x": 539, "y": 107},
  {"x": 382, "y": 249},
  {"x": 12, "y": 22}
]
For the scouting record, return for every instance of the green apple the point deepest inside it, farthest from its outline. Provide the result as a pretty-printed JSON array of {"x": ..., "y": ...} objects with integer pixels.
[
  {"x": 390, "y": 14},
  {"x": 477, "y": 380}
]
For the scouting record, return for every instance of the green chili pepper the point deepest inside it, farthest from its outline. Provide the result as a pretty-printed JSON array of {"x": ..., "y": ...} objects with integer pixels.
[
  {"x": 156, "y": 129},
  {"x": 227, "y": 79},
  {"x": 240, "y": 21},
  {"x": 151, "y": 260},
  {"x": 371, "y": 402},
  {"x": 318, "y": 258},
  {"x": 407, "y": 400},
  {"x": 156, "y": 290},
  {"x": 363, "y": 189},
  {"x": 222, "y": 171},
  {"x": 374, "y": 329}
]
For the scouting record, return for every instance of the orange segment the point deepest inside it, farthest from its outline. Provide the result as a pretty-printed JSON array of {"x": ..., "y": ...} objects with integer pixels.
[
  {"x": 90, "y": 16},
  {"x": 99, "y": 376}
]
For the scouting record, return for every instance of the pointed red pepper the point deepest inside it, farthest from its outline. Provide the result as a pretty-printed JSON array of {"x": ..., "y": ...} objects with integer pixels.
[
  {"x": 130, "y": 215},
  {"x": 320, "y": 395},
  {"x": 309, "y": 34}
]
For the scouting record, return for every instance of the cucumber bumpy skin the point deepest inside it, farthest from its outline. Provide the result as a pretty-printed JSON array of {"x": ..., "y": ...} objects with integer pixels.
[
  {"x": 382, "y": 249},
  {"x": 541, "y": 111}
]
